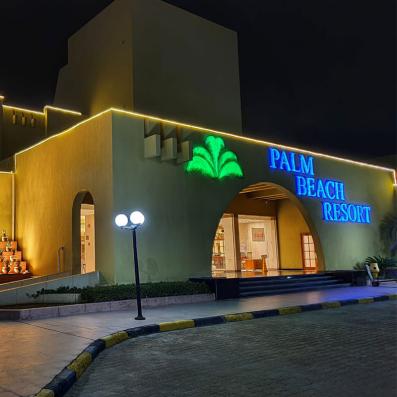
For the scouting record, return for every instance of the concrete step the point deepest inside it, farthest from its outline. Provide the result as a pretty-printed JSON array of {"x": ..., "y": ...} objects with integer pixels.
[
  {"x": 281, "y": 281},
  {"x": 299, "y": 276},
  {"x": 296, "y": 284},
  {"x": 292, "y": 289}
]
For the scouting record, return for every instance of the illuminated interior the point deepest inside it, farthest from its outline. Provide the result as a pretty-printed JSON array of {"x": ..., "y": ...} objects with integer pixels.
[
  {"x": 83, "y": 234},
  {"x": 263, "y": 233},
  {"x": 87, "y": 235}
]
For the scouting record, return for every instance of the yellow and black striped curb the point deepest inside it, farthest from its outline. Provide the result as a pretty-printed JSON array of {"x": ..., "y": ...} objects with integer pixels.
[{"x": 69, "y": 375}]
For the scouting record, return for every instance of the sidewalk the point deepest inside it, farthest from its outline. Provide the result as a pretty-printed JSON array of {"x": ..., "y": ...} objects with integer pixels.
[{"x": 33, "y": 352}]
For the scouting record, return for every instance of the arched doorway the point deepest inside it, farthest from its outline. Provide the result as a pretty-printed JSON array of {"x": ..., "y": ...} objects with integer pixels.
[
  {"x": 265, "y": 231},
  {"x": 83, "y": 233}
]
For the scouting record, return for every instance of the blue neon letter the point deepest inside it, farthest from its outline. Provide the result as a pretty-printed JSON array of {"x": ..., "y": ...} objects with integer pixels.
[
  {"x": 327, "y": 211},
  {"x": 340, "y": 190},
  {"x": 274, "y": 155},
  {"x": 327, "y": 189},
  {"x": 300, "y": 185},
  {"x": 367, "y": 218},
  {"x": 284, "y": 162},
  {"x": 345, "y": 215},
  {"x": 352, "y": 214},
  {"x": 306, "y": 164},
  {"x": 311, "y": 191}
]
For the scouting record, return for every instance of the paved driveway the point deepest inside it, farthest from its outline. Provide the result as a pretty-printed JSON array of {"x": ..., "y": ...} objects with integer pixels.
[{"x": 351, "y": 351}]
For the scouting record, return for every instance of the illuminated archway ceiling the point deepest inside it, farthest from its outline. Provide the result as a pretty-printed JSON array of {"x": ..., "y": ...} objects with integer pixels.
[{"x": 264, "y": 191}]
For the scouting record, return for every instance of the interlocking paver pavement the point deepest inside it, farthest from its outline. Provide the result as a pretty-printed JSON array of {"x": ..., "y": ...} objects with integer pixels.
[
  {"x": 40, "y": 349},
  {"x": 351, "y": 351}
]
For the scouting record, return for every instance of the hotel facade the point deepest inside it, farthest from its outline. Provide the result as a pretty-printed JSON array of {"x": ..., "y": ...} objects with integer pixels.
[{"x": 155, "y": 126}]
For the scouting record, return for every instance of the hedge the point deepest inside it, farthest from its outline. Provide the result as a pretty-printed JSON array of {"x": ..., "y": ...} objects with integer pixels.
[{"x": 128, "y": 291}]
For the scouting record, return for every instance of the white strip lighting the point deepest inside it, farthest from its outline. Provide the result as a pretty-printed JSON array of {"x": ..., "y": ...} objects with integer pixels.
[
  {"x": 56, "y": 109},
  {"x": 256, "y": 141},
  {"x": 222, "y": 133},
  {"x": 23, "y": 110}
]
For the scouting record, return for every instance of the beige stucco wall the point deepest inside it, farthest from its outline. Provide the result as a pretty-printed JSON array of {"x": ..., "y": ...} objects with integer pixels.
[
  {"x": 154, "y": 58},
  {"x": 290, "y": 226},
  {"x": 105, "y": 156},
  {"x": 17, "y": 136},
  {"x": 6, "y": 202},
  {"x": 99, "y": 70},
  {"x": 48, "y": 177},
  {"x": 186, "y": 68},
  {"x": 57, "y": 120},
  {"x": 183, "y": 210}
]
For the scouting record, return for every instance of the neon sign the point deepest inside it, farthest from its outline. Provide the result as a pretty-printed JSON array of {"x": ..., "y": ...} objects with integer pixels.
[
  {"x": 290, "y": 162},
  {"x": 331, "y": 192},
  {"x": 214, "y": 161}
]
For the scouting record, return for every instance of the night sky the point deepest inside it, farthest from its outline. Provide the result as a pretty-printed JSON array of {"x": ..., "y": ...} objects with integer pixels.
[{"x": 316, "y": 73}]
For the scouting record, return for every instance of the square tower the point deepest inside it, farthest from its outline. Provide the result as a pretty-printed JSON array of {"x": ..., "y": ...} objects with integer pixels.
[{"x": 151, "y": 57}]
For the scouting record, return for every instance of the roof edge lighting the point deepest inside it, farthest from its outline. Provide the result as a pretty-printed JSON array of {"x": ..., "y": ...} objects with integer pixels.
[
  {"x": 217, "y": 132},
  {"x": 56, "y": 109},
  {"x": 19, "y": 109}
]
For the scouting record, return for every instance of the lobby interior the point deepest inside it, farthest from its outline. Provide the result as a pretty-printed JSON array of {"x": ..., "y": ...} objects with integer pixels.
[{"x": 263, "y": 233}]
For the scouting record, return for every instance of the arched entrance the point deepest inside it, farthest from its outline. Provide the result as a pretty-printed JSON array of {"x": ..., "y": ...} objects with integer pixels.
[
  {"x": 83, "y": 233},
  {"x": 265, "y": 231}
]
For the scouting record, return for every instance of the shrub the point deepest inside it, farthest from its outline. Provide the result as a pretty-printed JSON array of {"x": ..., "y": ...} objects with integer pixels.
[
  {"x": 382, "y": 262},
  {"x": 104, "y": 293},
  {"x": 359, "y": 266}
]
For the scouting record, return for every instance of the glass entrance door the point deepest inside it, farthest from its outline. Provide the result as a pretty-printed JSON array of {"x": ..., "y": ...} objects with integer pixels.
[
  {"x": 224, "y": 247},
  {"x": 258, "y": 243},
  {"x": 308, "y": 252},
  {"x": 87, "y": 238}
]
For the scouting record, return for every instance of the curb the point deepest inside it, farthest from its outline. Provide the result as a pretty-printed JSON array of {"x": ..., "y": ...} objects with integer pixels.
[
  {"x": 74, "y": 370},
  {"x": 35, "y": 313}
]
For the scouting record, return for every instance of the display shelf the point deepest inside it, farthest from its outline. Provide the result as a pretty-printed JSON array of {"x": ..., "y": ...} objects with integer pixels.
[
  {"x": 3, "y": 245},
  {"x": 11, "y": 260}
]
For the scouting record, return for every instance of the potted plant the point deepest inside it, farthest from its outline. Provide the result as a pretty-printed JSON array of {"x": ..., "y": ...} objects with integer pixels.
[
  {"x": 360, "y": 276},
  {"x": 387, "y": 266}
]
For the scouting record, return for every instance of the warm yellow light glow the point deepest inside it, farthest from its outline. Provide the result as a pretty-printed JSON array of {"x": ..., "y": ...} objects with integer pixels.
[
  {"x": 18, "y": 109},
  {"x": 61, "y": 133},
  {"x": 62, "y": 110},
  {"x": 221, "y": 133},
  {"x": 2, "y": 97}
]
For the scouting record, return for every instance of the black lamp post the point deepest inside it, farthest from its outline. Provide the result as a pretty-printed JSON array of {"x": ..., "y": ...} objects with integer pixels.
[{"x": 136, "y": 220}]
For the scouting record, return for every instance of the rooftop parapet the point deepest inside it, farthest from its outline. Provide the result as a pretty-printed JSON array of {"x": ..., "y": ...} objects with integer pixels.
[{"x": 22, "y": 127}]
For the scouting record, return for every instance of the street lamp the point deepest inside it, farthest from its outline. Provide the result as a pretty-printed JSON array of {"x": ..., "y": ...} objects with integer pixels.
[{"x": 136, "y": 219}]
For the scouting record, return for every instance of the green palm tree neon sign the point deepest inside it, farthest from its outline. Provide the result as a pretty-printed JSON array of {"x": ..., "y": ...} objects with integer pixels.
[{"x": 214, "y": 161}]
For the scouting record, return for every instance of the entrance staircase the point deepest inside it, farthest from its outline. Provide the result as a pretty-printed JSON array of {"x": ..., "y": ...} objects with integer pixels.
[{"x": 259, "y": 286}]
